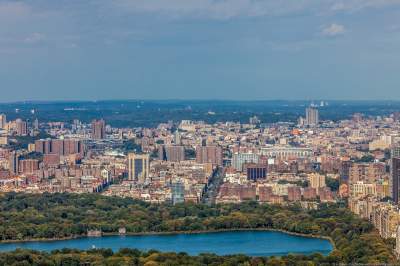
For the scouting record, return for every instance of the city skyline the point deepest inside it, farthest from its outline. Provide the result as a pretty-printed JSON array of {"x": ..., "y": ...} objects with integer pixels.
[
  {"x": 199, "y": 132},
  {"x": 80, "y": 170},
  {"x": 236, "y": 49},
  {"x": 301, "y": 101}
]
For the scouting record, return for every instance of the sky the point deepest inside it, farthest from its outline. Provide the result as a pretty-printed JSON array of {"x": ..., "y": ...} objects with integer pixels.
[{"x": 199, "y": 49}]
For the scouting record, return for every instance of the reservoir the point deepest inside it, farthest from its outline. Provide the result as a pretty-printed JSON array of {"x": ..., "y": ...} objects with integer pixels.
[{"x": 252, "y": 243}]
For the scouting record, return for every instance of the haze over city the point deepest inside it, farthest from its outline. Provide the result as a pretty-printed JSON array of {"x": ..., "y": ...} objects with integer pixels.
[{"x": 199, "y": 49}]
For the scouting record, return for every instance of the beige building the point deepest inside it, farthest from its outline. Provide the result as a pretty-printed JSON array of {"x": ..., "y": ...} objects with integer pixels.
[
  {"x": 363, "y": 207},
  {"x": 316, "y": 180},
  {"x": 361, "y": 189},
  {"x": 384, "y": 142},
  {"x": 3, "y": 140},
  {"x": 397, "y": 249},
  {"x": 3, "y": 121},
  {"x": 386, "y": 219},
  {"x": 138, "y": 167}
]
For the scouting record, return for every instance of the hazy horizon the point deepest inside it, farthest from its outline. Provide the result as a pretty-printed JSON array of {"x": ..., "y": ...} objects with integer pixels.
[{"x": 300, "y": 101}]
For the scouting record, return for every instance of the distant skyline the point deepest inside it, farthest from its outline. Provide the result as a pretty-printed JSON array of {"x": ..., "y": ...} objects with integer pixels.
[
  {"x": 199, "y": 50},
  {"x": 300, "y": 102}
]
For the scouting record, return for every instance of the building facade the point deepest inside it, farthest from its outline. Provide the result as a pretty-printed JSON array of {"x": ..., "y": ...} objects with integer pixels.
[
  {"x": 209, "y": 154},
  {"x": 98, "y": 129},
  {"x": 312, "y": 116},
  {"x": 138, "y": 167}
]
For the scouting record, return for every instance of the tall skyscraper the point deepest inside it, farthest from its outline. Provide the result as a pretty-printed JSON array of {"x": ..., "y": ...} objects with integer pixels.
[
  {"x": 98, "y": 129},
  {"x": 3, "y": 121},
  {"x": 395, "y": 179},
  {"x": 312, "y": 116},
  {"x": 21, "y": 127},
  {"x": 209, "y": 154},
  {"x": 138, "y": 167}
]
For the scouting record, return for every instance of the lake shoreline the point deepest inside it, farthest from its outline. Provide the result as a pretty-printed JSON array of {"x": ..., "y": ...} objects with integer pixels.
[{"x": 174, "y": 233}]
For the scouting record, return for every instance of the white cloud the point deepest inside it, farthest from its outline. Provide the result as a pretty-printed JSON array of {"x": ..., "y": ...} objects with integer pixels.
[
  {"x": 13, "y": 10},
  {"x": 34, "y": 38},
  {"x": 333, "y": 30},
  {"x": 226, "y": 9},
  {"x": 215, "y": 9},
  {"x": 356, "y": 5}
]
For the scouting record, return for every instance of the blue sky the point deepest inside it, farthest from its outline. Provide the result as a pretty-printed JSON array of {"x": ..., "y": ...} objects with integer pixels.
[{"x": 199, "y": 49}]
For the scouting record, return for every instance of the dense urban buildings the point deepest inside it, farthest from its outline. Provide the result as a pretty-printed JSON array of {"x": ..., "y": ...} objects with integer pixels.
[{"x": 354, "y": 162}]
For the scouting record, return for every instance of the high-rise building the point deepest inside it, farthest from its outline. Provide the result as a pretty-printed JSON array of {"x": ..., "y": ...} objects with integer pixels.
[
  {"x": 3, "y": 121},
  {"x": 316, "y": 180},
  {"x": 162, "y": 156},
  {"x": 209, "y": 154},
  {"x": 138, "y": 167},
  {"x": 395, "y": 178},
  {"x": 73, "y": 146},
  {"x": 21, "y": 127},
  {"x": 312, "y": 116},
  {"x": 178, "y": 192},
  {"x": 394, "y": 184},
  {"x": 171, "y": 153},
  {"x": 344, "y": 171},
  {"x": 43, "y": 146},
  {"x": 177, "y": 138},
  {"x": 28, "y": 166},
  {"x": 59, "y": 146},
  {"x": 13, "y": 163},
  {"x": 98, "y": 129}
]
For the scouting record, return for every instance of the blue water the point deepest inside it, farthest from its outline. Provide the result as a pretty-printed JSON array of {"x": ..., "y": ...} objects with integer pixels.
[{"x": 252, "y": 243}]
